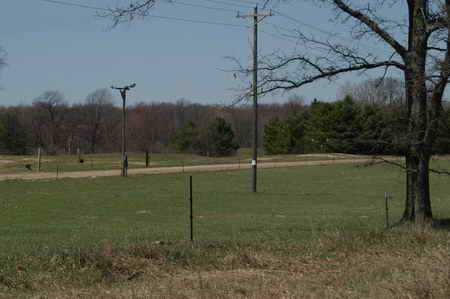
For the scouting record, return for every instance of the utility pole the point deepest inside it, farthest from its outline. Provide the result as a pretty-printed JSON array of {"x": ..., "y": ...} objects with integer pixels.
[
  {"x": 123, "y": 93},
  {"x": 257, "y": 17}
]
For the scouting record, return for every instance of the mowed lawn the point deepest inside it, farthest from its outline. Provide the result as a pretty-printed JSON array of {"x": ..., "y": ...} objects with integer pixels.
[{"x": 292, "y": 204}]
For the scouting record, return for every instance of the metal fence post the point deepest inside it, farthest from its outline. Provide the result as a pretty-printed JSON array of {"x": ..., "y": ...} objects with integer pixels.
[
  {"x": 191, "y": 212},
  {"x": 39, "y": 159},
  {"x": 387, "y": 197}
]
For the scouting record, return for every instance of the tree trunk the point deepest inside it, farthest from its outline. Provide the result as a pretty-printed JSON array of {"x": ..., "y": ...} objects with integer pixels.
[
  {"x": 418, "y": 153},
  {"x": 411, "y": 179},
  {"x": 422, "y": 190},
  {"x": 418, "y": 203}
]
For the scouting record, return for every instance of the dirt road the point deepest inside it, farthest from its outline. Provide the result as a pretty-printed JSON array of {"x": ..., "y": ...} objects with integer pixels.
[{"x": 177, "y": 169}]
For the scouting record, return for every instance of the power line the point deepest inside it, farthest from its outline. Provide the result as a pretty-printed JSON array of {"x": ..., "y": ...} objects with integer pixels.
[
  {"x": 280, "y": 37},
  {"x": 197, "y": 21},
  {"x": 320, "y": 30},
  {"x": 201, "y": 6},
  {"x": 186, "y": 20},
  {"x": 74, "y": 4},
  {"x": 223, "y": 2},
  {"x": 295, "y": 20},
  {"x": 241, "y": 3}
]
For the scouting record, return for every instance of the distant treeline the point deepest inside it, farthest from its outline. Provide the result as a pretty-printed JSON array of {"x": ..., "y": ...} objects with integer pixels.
[
  {"x": 94, "y": 126},
  {"x": 348, "y": 126}
]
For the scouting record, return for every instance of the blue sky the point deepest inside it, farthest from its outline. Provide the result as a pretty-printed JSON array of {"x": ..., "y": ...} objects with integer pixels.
[{"x": 72, "y": 50}]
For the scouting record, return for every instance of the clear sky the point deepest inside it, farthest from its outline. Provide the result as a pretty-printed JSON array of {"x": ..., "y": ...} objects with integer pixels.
[{"x": 70, "y": 49}]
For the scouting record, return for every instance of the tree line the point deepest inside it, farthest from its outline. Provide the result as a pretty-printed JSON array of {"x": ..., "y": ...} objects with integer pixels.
[
  {"x": 372, "y": 124},
  {"x": 347, "y": 126},
  {"x": 94, "y": 126}
]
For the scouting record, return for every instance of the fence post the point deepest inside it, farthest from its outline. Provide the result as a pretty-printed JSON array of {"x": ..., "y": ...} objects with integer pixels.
[
  {"x": 39, "y": 160},
  {"x": 191, "y": 209},
  {"x": 387, "y": 197}
]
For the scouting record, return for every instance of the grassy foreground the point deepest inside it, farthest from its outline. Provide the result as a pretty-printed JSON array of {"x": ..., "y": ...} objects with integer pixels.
[
  {"x": 316, "y": 231},
  {"x": 398, "y": 264}
]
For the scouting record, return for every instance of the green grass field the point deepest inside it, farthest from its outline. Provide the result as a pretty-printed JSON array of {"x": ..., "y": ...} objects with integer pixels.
[
  {"x": 292, "y": 204},
  {"x": 307, "y": 228}
]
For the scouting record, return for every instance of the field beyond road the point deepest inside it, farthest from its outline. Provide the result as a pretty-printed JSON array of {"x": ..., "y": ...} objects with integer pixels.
[
  {"x": 190, "y": 168},
  {"x": 307, "y": 227}
]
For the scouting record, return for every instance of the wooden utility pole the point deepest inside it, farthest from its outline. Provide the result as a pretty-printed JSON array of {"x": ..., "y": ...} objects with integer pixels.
[
  {"x": 123, "y": 93},
  {"x": 257, "y": 17}
]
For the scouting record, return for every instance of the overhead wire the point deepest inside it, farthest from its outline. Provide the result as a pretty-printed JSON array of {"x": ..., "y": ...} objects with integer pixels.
[
  {"x": 206, "y": 22},
  {"x": 234, "y": 4},
  {"x": 189, "y": 20},
  {"x": 186, "y": 20},
  {"x": 75, "y": 4},
  {"x": 224, "y": 2},
  {"x": 201, "y": 6}
]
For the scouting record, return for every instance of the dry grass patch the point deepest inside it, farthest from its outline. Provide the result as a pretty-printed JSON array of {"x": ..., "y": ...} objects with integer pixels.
[{"x": 399, "y": 264}]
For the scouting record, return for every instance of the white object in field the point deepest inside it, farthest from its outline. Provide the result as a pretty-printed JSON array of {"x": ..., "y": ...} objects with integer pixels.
[{"x": 253, "y": 162}]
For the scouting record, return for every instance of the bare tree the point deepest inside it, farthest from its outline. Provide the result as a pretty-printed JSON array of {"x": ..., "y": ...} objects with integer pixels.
[
  {"x": 418, "y": 47},
  {"x": 49, "y": 114},
  {"x": 387, "y": 91},
  {"x": 135, "y": 8},
  {"x": 98, "y": 104}
]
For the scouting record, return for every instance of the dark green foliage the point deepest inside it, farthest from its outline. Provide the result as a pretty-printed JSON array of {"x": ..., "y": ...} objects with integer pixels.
[
  {"x": 185, "y": 138},
  {"x": 285, "y": 137},
  {"x": 217, "y": 140},
  {"x": 442, "y": 144},
  {"x": 373, "y": 124},
  {"x": 220, "y": 140},
  {"x": 318, "y": 127},
  {"x": 296, "y": 124},
  {"x": 333, "y": 127},
  {"x": 277, "y": 137},
  {"x": 13, "y": 138},
  {"x": 346, "y": 126}
]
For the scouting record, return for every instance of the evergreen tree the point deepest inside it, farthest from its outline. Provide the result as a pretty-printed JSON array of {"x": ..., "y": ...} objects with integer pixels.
[
  {"x": 296, "y": 124},
  {"x": 13, "y": 137},
  {"x": 277, "y": 137},
  {"x": 221, "y": 141},
  {"x": 185, "y": 137},
  {"x": 345, "y": 128}
]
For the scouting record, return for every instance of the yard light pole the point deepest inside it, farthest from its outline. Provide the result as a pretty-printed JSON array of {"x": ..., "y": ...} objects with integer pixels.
[{"x": 123, "y": 93}]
